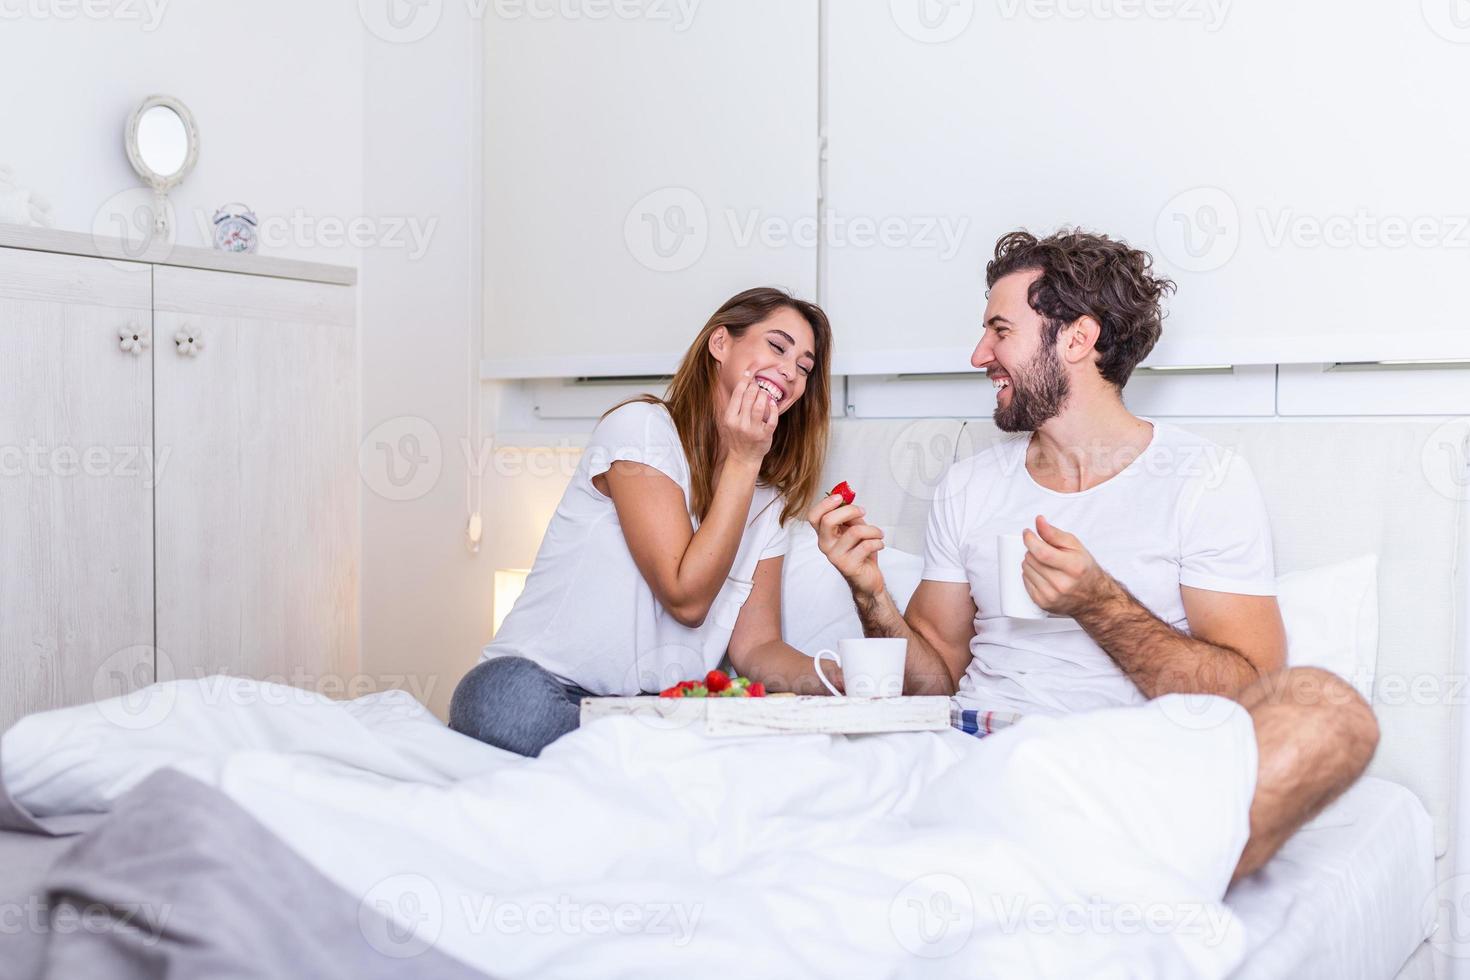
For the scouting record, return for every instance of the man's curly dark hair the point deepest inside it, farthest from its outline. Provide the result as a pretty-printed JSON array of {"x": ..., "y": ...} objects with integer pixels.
[{"x": 1083, "y": 274}]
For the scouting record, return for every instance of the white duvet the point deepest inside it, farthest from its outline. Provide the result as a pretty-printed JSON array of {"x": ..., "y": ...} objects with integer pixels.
[{"x": 1092, "y": 846}]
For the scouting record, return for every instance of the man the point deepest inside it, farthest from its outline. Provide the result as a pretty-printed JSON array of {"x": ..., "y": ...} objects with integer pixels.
[{"x": 1151, "y": 545}]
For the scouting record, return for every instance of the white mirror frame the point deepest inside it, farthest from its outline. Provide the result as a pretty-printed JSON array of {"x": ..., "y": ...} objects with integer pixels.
[{"x": 160, "y": 183}]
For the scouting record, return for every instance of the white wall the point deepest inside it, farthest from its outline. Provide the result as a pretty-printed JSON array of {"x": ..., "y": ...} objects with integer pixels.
[
  {"x": 425, "y": 596},
  {"x": 528, "y": 468},
  {"x": 275, "y": 86}
]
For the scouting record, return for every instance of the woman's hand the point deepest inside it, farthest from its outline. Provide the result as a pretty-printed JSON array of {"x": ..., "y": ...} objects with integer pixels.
[{"x": 748, "y": 423}]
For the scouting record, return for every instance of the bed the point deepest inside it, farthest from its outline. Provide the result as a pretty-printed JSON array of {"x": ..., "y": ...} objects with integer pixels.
[
  {"x": 1354, "y": 894},
  {"x": 1343, "y": 899},
  {"x": 1346, "y": 896}
]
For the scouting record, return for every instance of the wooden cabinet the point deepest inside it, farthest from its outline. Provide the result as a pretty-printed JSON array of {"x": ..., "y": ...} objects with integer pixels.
[
  {"x": 257, "y": 541},
  {"x": 182, "y": 505},
  {"x": 76, "y": 505}
]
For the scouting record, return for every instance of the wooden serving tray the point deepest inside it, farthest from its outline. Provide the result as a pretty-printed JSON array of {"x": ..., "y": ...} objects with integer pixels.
[{"x": 779, "y": 715}]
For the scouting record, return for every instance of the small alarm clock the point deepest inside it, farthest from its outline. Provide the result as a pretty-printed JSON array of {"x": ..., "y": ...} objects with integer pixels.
[{"x": 234, "y": 229}]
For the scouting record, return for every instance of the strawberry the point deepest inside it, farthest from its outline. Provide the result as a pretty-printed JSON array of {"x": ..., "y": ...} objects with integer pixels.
[
  {"x": 844, "y": 491},
  {"x": 716, "y": 684}
]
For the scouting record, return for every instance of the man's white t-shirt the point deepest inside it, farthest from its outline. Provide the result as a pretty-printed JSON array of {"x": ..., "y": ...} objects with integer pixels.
[
  {"x": 587, "y": 614},
  {"x": 1186, "y": 511}
]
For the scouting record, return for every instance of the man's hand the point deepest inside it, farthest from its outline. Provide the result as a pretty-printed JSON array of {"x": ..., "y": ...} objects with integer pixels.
[
  {"x": 850, "y": 544},
  {"x": 1234, "y": 639},
  {"x": 1060, "y": 574}
]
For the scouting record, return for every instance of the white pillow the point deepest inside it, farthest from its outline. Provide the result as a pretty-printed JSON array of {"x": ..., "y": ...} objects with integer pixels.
[
  {"x": 1331, "y": 616},
  {"x": 816, "y": 604}
]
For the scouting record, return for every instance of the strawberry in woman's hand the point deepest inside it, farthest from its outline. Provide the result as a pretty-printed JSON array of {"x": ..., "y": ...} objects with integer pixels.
[{"x": 844, "y": 491}]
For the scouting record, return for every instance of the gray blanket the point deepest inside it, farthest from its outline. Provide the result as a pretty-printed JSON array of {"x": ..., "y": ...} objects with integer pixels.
[{"x": 178, "y": 881}]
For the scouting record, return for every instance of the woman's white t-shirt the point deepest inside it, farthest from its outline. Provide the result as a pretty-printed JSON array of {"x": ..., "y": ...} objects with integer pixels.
[{"x": 586, "y": 614}]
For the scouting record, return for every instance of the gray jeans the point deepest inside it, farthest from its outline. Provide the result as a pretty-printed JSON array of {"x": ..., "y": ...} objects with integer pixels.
[{"x": 515, "y": 704}]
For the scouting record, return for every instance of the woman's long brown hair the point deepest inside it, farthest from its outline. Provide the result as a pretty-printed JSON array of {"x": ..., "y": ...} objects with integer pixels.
[{"x": 794, "y": 464}]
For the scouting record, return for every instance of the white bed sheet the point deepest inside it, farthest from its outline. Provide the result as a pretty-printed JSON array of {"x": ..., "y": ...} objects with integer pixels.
[
  {"x": 661, "y": 852},
  {"x": 339, "y": 782},
  {"x": 1346, "y": 897}
]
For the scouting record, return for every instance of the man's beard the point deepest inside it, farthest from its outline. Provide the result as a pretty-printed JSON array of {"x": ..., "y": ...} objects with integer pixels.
[{"x": 1037, "y": 395}]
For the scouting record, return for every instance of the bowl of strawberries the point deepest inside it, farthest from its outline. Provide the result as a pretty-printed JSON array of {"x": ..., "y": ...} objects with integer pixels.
[{"x": 716, "y": 684}]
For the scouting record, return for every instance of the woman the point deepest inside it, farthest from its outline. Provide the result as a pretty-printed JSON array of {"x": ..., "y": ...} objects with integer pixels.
[{"x": 666, "y": 548}]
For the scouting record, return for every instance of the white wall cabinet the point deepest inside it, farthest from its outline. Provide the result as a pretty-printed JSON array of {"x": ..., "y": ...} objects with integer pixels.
[
  {"x": 639, "y": 172},
  {"x": 1304, "y": 210},
  {"x": 180, "y": 506}
]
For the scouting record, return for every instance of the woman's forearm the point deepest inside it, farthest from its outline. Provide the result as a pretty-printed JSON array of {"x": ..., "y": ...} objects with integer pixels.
[
  {"x": 782, "y": 667},
  {"x": 711, "y": 552}
]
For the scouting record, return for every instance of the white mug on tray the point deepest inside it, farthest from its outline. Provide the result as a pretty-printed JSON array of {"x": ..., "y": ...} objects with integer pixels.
[{"x": 871, "y": 667}]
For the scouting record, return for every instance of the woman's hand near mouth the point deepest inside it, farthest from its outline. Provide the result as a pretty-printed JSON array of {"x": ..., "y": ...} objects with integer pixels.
[{"x": 748, "y": 423}]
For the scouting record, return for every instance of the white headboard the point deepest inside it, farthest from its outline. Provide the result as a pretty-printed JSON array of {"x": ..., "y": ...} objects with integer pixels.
[{"x": 1335, "y": 488}]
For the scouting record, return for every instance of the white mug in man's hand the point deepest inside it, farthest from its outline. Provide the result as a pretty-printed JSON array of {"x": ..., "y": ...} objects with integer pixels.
[
  {"x": 1015, "y": 601},
  {"x": 871, "y": 667}
]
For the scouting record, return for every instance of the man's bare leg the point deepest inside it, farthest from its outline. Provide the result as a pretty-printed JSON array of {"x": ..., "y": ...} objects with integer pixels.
[{"x": 1314, "y": 735}]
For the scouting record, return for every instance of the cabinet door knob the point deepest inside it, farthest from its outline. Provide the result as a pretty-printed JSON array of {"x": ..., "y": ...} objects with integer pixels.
[
  {"x": 189, "y": 341},
  {"x": 134, "y": 338}
]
